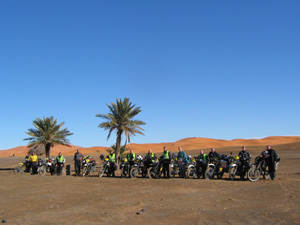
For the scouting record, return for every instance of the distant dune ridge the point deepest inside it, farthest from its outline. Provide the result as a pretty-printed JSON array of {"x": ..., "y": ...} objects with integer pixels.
[{"x": 186, "y": 143}]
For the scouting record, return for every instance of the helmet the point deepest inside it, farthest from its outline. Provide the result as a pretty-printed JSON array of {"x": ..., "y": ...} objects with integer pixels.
[{"x": 236, "y": 157}]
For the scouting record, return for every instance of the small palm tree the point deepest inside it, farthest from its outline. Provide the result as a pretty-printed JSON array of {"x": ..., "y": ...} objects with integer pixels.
[
  {"x": 123, "y": 149},
  {"x": 47, "y": 133},
  {"x": 120, "y": 120}
]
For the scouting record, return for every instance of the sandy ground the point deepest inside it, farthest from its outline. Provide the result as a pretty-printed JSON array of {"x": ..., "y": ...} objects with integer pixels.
[{"x": 26, "y": 199}]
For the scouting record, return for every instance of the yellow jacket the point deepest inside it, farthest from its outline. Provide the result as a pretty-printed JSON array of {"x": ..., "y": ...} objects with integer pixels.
[{"x": 33, "y": 158}]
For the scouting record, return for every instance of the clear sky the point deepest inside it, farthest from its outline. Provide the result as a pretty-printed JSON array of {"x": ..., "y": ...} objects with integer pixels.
[{"x": 216, "y": 69}]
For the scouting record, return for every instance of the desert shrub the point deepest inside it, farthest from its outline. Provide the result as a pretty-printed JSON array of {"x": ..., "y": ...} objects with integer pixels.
[{"x": 39, "y": 150}]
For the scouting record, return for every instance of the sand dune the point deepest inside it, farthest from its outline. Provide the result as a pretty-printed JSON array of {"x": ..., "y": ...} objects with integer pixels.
[{"x": 186, "y": 143}]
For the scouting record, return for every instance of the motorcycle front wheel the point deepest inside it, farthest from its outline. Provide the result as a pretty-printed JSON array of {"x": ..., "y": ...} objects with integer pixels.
[
  {"x": 42, "y": 170},
  {"x": 84, "y": 170},
  {"x": 191, "y": 173},
  {"x": 134, "y": 173},
  {"x": 253, "y": 174},
  {"x": 232, "y": 173},
  {"x": 101, "y": 172},
  {"x": 18, "y": 170},
  {"x": 209, "y": 173},
  {"x": 151, "y": 173}
]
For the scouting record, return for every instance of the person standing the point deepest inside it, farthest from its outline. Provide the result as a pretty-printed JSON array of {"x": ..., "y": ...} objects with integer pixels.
[
  {"x": 271, "y": 161},
  {"x": 245, "y": 157},
  {"x": 166, "y": 160},
  {"x": 112, "y": 159},
  {"x": 34, "y": 161},
  {"x": 201, "y": 163},
  {"x": 131, "y": 157},
  {"x": 77, "y": 162},
  {"x": 182, "y": 162},
  {"x": 60, "y": 161}
]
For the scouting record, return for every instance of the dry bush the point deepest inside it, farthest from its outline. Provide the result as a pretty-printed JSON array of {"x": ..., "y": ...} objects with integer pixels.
[{"x": 39, "y": 150}]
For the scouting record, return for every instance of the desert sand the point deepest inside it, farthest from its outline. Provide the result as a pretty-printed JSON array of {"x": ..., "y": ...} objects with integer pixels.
[
  {"x": 186, "y": 144},
  {"x": 26, "y": 199}
]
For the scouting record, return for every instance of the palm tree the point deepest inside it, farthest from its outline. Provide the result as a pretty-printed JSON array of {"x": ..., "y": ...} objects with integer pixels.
[
  {"x": 47, "y": 133},
  {"x": 120, "y": 120},
  {"x": 123, "y": 149}
]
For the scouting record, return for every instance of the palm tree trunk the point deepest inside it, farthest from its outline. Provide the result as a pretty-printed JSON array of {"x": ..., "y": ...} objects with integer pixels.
[
  {"x": 47, "y": 150},
  {"x": 118, "y": 145}
]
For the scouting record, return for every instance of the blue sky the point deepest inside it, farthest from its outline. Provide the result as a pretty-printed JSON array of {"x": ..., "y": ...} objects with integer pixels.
[{"x": 216, "y": 69}]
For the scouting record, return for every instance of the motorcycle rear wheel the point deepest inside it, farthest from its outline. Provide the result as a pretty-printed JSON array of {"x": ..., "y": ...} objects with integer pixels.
[{"x": 220, "y": 175}]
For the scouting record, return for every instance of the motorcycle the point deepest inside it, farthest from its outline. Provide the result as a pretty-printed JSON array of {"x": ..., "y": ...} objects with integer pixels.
[
  {"x": 88, "y": 166},
  {"x": 41, "y": 167},
  {"x": 124, "y": 167},
  {"x": 196, "y": 168},
  {"x": 214, "y": 168},
  {"x": 178, "y": 167},
  {"x": 155, "y": 169},
  {"x": 259, "y": 167},
  {"x": 192, "y": 172},
  {"x": 108, "y": 167},
  {"x": 50, "y": 166},
  {"x": 136, "y": 168},
  {"x": 24, "y": 166},
  {"x": 238, "y": 167}
]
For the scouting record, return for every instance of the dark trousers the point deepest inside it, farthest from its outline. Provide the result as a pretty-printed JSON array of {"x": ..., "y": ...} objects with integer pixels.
[
  {"x": 182, "y": 170},
  {"x": 34, "y": 167},
  {"x": 166, "y": 169},
  {"x": 272, "y": 171},
  {"x": 59, "y": 168},
  {"x": 77, "y": 167}
]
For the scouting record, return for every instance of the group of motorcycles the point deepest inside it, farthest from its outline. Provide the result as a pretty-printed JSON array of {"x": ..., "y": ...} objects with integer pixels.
[
  {"x": 195, "y": 168},
  {"x": 43, "y": 166},
  {"x": 152, "y": 168}
]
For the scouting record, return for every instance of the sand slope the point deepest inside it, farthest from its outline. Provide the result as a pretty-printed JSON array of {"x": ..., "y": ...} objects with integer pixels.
[{"x": 186, "y": 144}]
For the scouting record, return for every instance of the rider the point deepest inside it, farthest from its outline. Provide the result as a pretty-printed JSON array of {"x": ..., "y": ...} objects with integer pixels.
[
  {"x": 271, "y": 161},
  {"x": 77, "y": 160},
  {"x": 27, "y": 163},
  {"x": 166, "y": 160},
  {"x": 245, "y": 157},
  {"x": 202, "y": 162},
  {"x": 149, "y": 157},
  {"x": 34, "y": 160},
  {"x": 181, "y": 156},
  {"x": 131, "y": 157},
  {"x": 60, "y": 161},
  {"x": 112, "y": 159},
  {"x": 213, "y": 156}
]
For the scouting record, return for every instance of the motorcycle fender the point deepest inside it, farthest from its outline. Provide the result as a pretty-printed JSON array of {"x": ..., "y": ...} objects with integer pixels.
[{"x": 233, "y": 165}]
